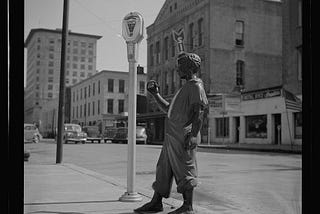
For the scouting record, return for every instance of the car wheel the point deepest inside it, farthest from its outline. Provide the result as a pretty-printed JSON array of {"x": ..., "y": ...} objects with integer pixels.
[{"x": 83, "y": 142}]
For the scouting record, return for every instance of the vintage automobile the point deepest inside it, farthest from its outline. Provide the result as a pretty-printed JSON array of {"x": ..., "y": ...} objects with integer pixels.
[
  {"x": 93, "y": 134},
  {"x": 31, "y": 133},
  {"x": 74, "y": 133},
  {"x": 109, "y": 134},
  {"x": 121, "y": 135}
]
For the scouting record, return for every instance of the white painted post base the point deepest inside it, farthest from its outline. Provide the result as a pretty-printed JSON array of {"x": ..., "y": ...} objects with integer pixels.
[{"x": 130, "y": 197}]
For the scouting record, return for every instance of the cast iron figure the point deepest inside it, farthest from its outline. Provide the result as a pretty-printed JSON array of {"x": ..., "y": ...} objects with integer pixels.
[{"x": 182, "y": 135}]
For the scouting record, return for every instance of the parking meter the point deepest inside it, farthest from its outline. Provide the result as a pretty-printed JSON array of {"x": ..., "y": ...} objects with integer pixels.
[{"x": 132, "y": 32}]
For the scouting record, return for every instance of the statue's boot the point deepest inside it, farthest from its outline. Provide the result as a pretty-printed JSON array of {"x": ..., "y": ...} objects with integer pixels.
[
  {"x": 186, "y": 207},
  {"x": 154, "y": 206}
]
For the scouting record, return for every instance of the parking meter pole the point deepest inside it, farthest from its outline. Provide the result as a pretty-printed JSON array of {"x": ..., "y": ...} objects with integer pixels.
[{"x": 62, "y": 82}]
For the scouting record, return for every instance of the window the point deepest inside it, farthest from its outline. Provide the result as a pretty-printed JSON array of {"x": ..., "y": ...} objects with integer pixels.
[
  {"x": 99, "y": 87},
  {"x": 166, "y": 83},
  {"x": 81, "y": 74},
  {"x": 200, "y": 32},
  {"x": 190, "y": 45},
  {"x": 173, "y": 47},
  {"x": 151, "y": 55},
  {"x": 89, "y": 91},
  {"x": 81, "y": 94},
  {"x": 88, "y": 109},
  {"x": 90, "y": 67},
  {"x": 90, "y": 45},
  {"x": 256, "y": 126},
  {"x": 50, "y": 87},
  {"x": 75, "y": 43},
  {"x": 50, "y": 79},
  {"x": 93, "y": 108},
  {"x": 73, "y": 110},
  {"x": 51, "y": 56},
  {"x": 297, "y": 125},
  {"x": 75, "y": 58},
  {"x": 67, "y": 81},
  {"x": 222, "y": 127},
  {"x": 51, "y": 48},
  {"x": 85, "y": 92},
  {"x": 98, "y": 107},
  {"x": 83, "y": 51},
  {"x": 173, "y": 81},
  {"x": 82, "y": 67},
  {"x": 90, "y": 52},
  {"x": 74, "y": 96},
  {"x": 85, "y": 109},
  {"x": 239, "y": 33},
  {"x": 141, "y": 87},
  {"x": 51, "y": 41},
  {"x": 121, "y": 86},
  {"x": 166, "y": 48},
  {"x": 74, "y": 74},
  {"x": 110, "y": 106},
  {"x": 175, "y": 6},
  {"x": 74, "y": 65},
  {"x": 83, "y": 44},
  {"x": 89, "y": 74},
  {"x": 50, "y": 71},
  {"x": 90, "y": 59},
  {"x": 80, "y": 110},
  {"x": 37, "y": 79},
  {"x": 120, "y": 106},
  {"x": 110, "y": 85},
  {"x": 77, "y": 111},
  {"x": 83, "y": 59},
  {"x": 77, "y": 95},
  {"x": 49, "y": 95},
  {"x": 50, "y": 64},
  {"x": 158, "y": 52},
  {"x": 75, "y": 51},
  {"x": 240, "y": 73},
  {"x": 299, "y": 61},
  {"x": 68, "y": 65},
  {"x": 93, "y": 89},
  {"x": 74, "y": 81},
  {"x": 39, "y": 40}
]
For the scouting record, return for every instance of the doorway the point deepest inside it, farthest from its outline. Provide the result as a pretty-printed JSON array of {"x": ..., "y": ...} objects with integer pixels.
[
  {"x": 277, "y": 129},
  {"x": 237, "y": 127}
]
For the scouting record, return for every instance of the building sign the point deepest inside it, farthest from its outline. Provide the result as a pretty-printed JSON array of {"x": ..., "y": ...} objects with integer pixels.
[
  {"x": 216, "y": 104},
  {"x": 262, "y": 94}
]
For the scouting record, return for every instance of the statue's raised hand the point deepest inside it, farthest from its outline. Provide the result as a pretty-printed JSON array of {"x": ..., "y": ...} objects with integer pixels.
[{"x": 153, "y": 87}]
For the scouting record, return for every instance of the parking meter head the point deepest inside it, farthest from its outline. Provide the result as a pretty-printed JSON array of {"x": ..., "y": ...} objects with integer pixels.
[{"x": 132, "y": 27}]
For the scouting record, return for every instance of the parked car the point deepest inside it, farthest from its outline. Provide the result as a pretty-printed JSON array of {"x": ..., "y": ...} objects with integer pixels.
[
  {"x": 93, "y": 133},
  {"x": 109, "y": 134},
  {"x": 121, "y": 135},
  {"x": 31, "y": 133},
  {"x": 74, "y": 133}
]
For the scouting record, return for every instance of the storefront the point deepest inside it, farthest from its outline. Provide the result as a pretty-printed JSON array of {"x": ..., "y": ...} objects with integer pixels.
[{"x": 266, "y": 116}]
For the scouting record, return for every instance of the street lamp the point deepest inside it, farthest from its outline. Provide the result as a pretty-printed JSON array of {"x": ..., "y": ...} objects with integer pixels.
[{"x": 132, "y": 32}]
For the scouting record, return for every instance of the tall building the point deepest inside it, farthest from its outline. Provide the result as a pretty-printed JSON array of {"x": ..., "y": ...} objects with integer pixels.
[
  {"x": 43, "y": 66},
  {"x": 239, "y": 42}
]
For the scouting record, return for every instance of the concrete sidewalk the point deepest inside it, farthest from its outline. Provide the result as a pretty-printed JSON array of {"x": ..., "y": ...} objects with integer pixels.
[{"x": 70, "y": 189}]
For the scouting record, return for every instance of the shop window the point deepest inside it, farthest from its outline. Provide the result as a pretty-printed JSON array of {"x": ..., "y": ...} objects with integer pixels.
[
  {"x": 222, "y": 127},
  {"x": 297, "y": 125},
  {"x": 256, "y": 126}
]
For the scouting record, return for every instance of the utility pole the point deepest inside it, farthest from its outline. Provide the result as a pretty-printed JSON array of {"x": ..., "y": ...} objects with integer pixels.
[{"x": 62, "y": 81}]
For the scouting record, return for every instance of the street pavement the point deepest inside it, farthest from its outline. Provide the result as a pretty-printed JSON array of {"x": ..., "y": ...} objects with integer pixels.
[{"x": 92, "y": 177}]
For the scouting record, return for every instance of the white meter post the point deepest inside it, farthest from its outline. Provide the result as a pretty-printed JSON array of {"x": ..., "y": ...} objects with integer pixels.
[{"x": 132, "y": 32}]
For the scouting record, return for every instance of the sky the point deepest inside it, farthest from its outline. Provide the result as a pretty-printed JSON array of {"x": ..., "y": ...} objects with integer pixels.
[{"x": 97, "y": 17}]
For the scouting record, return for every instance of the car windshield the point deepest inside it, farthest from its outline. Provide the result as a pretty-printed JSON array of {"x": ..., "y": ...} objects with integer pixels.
[{"x": 72, "y": 128}]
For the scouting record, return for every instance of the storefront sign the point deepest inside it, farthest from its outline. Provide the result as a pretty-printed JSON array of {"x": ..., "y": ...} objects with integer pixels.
[{"x": 262, "y": 94}]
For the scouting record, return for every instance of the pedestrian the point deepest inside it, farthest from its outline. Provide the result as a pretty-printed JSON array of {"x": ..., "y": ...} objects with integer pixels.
[{"x": 182, "y": 135}]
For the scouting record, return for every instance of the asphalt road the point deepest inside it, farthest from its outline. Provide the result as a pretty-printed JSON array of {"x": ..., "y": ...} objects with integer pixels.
[{"x": 230, "y": 181}]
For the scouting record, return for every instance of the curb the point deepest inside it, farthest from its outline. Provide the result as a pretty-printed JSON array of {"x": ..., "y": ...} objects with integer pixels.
[
  {"x": 275, "y": 150},
  {"x": 171, "y": 202}
]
